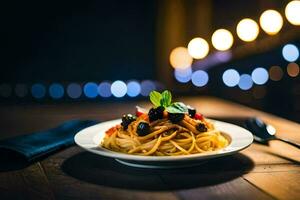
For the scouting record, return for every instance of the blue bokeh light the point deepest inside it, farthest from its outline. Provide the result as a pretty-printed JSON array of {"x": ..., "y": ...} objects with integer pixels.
[
  {"x": 245, "y": 82},
  {"x": 231, "y": 77},
  {"x": 104, "y": 89},
  {"x": 290, "y": 52},
  {"x": 38, "y": 90},
  {"x": 90, "y": 90},
  {"x": 146, "y": 87},
  {"x": 260, "y": 76},
  {"x": 200, "y": 78},
  {"x": 183, "y": 75},
  {"x": 74, "y": 90},
  {"x": 56, "y": 91},
  {"x": 118, "y": 89},
  {"x": 133, "y": 88}
]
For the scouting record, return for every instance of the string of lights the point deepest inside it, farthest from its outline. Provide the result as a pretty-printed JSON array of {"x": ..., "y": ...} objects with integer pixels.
[
  {"x": 190, "y": 62},
  {"x": 89, "y": 90},
  {"x": 232, "y": 78}
]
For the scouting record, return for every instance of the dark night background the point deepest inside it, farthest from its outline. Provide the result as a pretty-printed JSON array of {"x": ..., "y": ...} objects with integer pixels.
[
  {"x": 77, "y": 40},
  {"x": 83, "y": 41}
]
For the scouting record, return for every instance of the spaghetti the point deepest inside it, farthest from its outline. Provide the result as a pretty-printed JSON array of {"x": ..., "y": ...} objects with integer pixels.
[
  {"x": 165, "y": 138},
  {"x": 168, "y": 129}
]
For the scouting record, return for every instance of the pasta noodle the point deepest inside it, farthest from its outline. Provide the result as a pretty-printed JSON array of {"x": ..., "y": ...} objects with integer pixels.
[{"x": 165, "y": 138}]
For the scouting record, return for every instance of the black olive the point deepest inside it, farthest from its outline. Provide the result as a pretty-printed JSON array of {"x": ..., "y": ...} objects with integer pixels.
[
  {"x": 160, "y": 112},
  {"x": 143, "y": 129},
  {"x": 192, "y": 111},
  {"x": 152, "y": 114},
  {"x": 176, "y": 117},
  {"x": 156, "y": 113},
  {"x": 201, "y": 127},
  {"x": 127, "y": 119}
]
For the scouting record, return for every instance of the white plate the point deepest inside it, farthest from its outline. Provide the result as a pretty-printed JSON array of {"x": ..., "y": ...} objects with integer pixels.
[{"x": 91, "y": 137}]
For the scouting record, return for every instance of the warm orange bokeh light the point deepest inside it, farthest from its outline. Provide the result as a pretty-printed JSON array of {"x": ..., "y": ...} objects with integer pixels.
[
  {"x": 198, "y": 48},
  {"x": 293, "y": 69},
  {"x": 180, "y": 58},
  {"x": 222, "y": 39},
  {"x": 292, "y": 12},
  {"x": 271, "y": 21},
  {"x": 247, "y": 30}
]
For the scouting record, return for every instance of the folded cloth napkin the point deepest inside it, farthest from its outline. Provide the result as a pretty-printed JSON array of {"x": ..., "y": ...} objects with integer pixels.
[{"x": 36, "y": 145}]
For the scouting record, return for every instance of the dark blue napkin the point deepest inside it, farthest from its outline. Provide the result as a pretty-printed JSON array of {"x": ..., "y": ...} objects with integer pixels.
[{"x": 36, "y": 145}]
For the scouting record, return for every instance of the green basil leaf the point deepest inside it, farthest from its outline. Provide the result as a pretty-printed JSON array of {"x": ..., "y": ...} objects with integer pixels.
[
  {"x": 155, "y": 98},
  {"x": 171, "y": 109},
  {"x": 166, "y": 99},
  {"x": 178, "y": 107}
]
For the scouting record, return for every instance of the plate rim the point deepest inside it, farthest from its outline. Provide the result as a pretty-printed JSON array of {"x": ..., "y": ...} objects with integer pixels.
[{"x": 94, "y": 148}]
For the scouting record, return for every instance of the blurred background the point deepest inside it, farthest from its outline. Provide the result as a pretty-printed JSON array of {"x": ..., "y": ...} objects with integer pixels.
[{"x": 102, "y": 51}]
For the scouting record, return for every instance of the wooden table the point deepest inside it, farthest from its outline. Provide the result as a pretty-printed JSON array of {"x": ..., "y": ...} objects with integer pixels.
[{"x": 259, "y": 172}]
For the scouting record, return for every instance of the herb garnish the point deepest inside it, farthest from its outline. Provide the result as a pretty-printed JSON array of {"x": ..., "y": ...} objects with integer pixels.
[{"x": 164, "y": 99}]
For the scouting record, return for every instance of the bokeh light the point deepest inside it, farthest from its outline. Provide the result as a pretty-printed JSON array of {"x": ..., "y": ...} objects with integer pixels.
[
  {"x": 183, "y": 75},
  {"x": 231, "y": 77},
  {"x": 247, "y": 30},
  {"x": 5, "y": 90},
  {"x": 260, "y": 76},
  {"x": 198, "y": 48},
  {"x": 56, "y": 91},
  {"x": 245, "y": 82},
  {"x": 271, "y": 22},
  {"x": 74, "y": 90},
  {"x": 290, "y": 52},
  {"x": 222, "y": 39},
  {"x": 104, "y": 89},
  {"x": 38, "y": 90},
  {"x": 21, "y": 90},
  {"x": 275, "y": 73},
  {"x": 118, "y": 89},
  {"x": 200, "y": 78},
  {"x": 180, "y": 58},
  {"x": 133, "y": 88},
  {"x": 293, "y": 69},
  {"x": 292, "y": 12},
  {"x": 90, "y": 90},
  {"x": 146, "y": 87}
]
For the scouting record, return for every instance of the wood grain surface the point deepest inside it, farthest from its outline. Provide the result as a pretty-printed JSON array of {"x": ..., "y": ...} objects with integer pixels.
[{"x": 258, "y": 172}]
